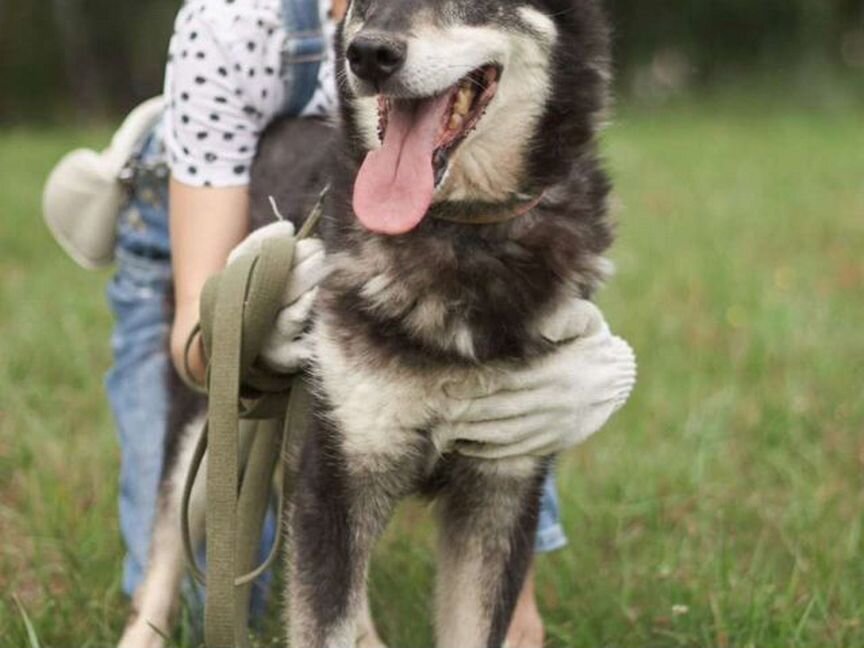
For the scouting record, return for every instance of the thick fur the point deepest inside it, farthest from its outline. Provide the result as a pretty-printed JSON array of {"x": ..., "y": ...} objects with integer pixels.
[{"x": 400, "y": 318}]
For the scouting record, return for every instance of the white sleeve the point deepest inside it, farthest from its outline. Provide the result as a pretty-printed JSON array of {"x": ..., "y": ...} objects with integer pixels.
[{"x": 222, "y": 87}]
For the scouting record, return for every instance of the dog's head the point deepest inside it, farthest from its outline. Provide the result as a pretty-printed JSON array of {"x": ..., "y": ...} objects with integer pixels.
[{"x": 466, "y": 100}]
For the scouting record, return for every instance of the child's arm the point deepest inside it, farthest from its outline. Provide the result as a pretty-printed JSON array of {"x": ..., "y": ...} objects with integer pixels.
[{"x": 206, "y": 224}]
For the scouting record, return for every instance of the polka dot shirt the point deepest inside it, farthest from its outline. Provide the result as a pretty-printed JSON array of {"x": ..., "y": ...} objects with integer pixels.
[{"x": 223, "y": 86}]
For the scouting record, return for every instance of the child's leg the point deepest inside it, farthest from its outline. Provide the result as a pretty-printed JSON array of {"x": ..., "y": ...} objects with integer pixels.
[
  {"x": 138, "y": 393},
  {"x": 550, "y": 533}
]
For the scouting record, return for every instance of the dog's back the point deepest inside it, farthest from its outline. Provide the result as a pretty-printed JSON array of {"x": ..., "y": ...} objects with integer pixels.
[{"x": 290, "y": 169}]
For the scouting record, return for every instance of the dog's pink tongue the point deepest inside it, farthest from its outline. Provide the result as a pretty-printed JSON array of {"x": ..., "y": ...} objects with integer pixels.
[{"x": 394, "y": 187}]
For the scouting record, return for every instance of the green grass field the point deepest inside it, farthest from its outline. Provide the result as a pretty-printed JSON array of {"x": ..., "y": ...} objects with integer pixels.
[{"x": 722, "y": 508}]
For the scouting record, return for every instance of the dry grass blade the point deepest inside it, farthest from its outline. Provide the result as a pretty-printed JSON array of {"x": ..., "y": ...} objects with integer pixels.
[{"x": 32, "y": 637}]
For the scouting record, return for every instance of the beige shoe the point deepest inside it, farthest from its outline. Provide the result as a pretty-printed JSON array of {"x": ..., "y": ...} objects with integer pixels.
[{"x": 83, "y": 195}]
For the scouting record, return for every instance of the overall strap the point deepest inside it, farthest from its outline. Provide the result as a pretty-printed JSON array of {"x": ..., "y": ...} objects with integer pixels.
[{"x": 303, "y": 52}]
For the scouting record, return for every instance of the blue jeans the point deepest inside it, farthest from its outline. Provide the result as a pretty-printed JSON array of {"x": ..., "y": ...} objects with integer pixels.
[
  {"x": 137, "y": 384},
  {"x": 137, "y": 390},
  {"x": 550, "y": 533}
]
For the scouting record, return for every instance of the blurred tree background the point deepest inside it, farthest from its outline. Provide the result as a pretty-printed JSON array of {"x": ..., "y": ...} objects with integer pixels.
[{"x": 87, "y": 59}]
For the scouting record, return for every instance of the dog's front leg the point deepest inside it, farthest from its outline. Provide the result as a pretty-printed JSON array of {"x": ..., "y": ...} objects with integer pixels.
[
  {"x": 488, "y": 514},
  {"x": 344, "y": 498}
]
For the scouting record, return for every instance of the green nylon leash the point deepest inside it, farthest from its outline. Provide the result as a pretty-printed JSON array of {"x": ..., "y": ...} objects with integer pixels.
[
  {"x": 220, "y": 610},
  {"x": 250, "y": 413}
]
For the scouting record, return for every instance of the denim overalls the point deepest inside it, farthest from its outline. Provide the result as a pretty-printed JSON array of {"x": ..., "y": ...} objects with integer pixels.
[{"x": 140, "y": 297}]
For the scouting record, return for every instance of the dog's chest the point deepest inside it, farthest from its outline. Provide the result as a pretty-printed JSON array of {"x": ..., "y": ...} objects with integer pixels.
[
  {"x": 397, "y": 325},
  {"x": 382, "y": 407}
]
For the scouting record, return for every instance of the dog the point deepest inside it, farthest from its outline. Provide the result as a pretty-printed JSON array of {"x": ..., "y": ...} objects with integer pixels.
[{"x": 467, "y": 206}]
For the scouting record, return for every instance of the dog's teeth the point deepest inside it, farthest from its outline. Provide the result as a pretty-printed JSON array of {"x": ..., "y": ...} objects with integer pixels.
[
  {"x": 456, "y": 122},
  {"x": 464, "y": 97}
]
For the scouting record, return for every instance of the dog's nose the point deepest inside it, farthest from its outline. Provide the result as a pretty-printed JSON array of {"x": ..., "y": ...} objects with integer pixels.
[{"x": 376, "y": 57}]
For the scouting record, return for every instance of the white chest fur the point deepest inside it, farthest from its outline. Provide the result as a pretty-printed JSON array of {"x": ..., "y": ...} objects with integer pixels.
[
  {"x": 386, "y": 410},
  {"x": 379, "y": 408}
]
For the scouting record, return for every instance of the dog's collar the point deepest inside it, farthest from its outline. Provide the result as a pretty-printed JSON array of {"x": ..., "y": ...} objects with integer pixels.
[{"x": 484, "y": 213}]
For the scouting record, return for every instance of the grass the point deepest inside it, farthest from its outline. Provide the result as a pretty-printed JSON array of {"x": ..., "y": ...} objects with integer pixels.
[{"x": 721, "y": 508}]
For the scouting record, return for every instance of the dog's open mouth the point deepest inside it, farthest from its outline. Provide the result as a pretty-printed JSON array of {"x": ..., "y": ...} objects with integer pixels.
[
  {"x": 395, "y": 184},
  {"x": 467, "y": 101}
]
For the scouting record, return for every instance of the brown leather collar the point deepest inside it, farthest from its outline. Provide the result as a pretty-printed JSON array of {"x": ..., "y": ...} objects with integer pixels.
[{"x": 484, "y": 213}]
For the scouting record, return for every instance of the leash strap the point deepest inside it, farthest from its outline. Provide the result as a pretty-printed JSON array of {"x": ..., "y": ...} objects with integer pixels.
[
  {"x": 243, "y": 436},
  {"x": 220, "y": 610}
]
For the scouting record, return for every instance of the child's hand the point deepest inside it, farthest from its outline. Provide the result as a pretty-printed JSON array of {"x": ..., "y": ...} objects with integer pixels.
[
  {"x": 549, "y": 405},
  {"x": 288, "y": 346}
]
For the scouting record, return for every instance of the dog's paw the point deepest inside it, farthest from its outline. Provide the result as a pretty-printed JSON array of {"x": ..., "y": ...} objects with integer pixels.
[
  {"x": 367, "y": 633},
  {"x": 140, "y": 634}
]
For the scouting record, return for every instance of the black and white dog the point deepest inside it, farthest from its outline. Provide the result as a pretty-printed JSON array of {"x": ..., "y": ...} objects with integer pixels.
[{"x": 467, "y": 207}]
